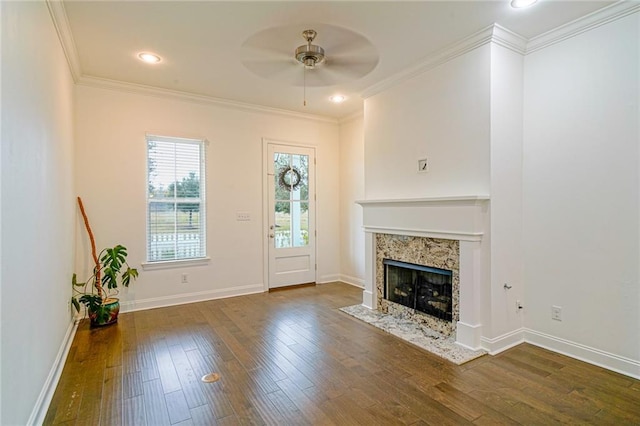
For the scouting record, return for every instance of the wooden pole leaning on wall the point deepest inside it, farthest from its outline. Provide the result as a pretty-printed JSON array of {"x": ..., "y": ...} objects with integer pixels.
[{"x": 94, "y": 253}]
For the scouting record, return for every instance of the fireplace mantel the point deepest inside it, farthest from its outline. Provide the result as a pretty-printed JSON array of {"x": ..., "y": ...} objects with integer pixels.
[
  {"x": 461, "y": 218},
  {"x": 454, "y": 218},
  {"x": 427, "y": 200}
]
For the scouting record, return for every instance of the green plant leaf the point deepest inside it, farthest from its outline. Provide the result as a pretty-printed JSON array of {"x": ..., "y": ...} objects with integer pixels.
[
  {"x": 74, "y": 281},
  {"x": 109, "y": 279},
  {"x": 115, "y": 257},
  {"x": 75, "y": 303},
  {"x": 91, "y": 301},
  {"x": 127, "y": 275}
]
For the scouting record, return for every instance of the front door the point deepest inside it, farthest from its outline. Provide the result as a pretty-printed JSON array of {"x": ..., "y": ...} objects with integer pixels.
[{"x": 291, "y": 183}]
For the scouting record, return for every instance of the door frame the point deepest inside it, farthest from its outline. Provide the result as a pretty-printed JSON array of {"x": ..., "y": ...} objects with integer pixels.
[{"x": 266, "y": 181}]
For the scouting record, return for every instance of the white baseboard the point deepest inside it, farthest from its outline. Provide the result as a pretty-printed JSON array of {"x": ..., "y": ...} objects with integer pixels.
[
  {"x": 354, "y": 281},
  {"x": 468, "y": 335},
  {"x": 46, "y": 394},
  {"x": 368, "y": 300},
  {"x": 502, "y": 343},
  {"x": 181, "y": 299},
  {"x": 628, "y": 367},
  {"x": 324, "y": 279},
  {"x": 617, "y": 363}
]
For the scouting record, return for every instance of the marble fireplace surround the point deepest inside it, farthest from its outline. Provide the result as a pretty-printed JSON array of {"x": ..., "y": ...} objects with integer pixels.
[
  {"x": 461, "y": 221},
  {"x": 437, "y": 253}
]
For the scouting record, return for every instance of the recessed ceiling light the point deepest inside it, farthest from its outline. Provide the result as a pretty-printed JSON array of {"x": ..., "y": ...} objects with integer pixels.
[
  {"x": 150, "y": 58},
  {"x": 518, "y": 4},
  {"x": 337, "y": 98}
]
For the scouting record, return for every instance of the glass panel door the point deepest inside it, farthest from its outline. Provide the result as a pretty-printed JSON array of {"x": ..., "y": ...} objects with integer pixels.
[{"x": 291, "y": 207}]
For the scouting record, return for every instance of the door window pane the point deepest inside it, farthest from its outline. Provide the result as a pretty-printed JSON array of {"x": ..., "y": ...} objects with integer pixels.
[
  {"x": 300, "y": 224},
  {"x": 291, "y": 180},
  {"x": 282, "y": 231}
]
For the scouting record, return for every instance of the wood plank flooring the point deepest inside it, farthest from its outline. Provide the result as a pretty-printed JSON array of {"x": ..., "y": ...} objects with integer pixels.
[{"x": 291, "y": 358}]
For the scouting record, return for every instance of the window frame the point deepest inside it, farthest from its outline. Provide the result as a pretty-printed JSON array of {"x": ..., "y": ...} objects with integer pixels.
[{"x": 150, "y": 264}]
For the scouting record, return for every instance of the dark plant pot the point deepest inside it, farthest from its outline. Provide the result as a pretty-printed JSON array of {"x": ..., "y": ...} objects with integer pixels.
[{"x": 107, "y": 314}]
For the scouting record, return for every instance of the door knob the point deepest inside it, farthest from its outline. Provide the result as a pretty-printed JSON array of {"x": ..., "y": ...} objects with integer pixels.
[{"x": 271, "y": 235}]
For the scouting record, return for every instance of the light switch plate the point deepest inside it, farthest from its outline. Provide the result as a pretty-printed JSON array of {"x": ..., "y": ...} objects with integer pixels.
[
  {"x": 556, "y": 313},
  {"x": 243, "y": 216}
]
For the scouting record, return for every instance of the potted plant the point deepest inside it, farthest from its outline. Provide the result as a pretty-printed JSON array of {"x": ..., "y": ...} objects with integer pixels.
[{"x": 98, "y": 292}]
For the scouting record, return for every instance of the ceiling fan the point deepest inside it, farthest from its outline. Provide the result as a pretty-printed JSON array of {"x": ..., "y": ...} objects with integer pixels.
[
  {"x": 310, "y": 55},
  {"x": 343, "y": 57}
]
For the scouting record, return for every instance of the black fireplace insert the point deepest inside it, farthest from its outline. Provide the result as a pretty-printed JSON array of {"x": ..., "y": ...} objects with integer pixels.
[{"x": 423, "y": 288}]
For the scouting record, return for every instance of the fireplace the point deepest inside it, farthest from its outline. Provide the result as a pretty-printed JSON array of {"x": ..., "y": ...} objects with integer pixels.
[
  {"x": 422, "y": 288},
  {"x": 444, "y": 233}
]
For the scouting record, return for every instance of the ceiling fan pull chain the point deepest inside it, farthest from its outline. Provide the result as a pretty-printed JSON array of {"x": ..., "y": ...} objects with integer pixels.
[{"x": 304, "y": 86}]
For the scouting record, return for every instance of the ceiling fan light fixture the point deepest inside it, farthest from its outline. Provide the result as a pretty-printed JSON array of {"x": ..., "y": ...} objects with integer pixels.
[
  {"x": 309, "y": 54},
  {"x": 338, "y": 99}
]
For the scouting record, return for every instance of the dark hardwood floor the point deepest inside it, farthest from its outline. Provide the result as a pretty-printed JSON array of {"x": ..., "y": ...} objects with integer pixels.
[{"x": 291, "y": 358}]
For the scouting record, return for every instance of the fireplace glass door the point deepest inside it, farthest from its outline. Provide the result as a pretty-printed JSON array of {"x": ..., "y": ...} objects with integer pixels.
[{"x": 419, "y": 287}]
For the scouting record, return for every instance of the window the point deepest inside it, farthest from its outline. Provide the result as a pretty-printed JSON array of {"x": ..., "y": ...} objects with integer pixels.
[{"x": 175, "y": 199}]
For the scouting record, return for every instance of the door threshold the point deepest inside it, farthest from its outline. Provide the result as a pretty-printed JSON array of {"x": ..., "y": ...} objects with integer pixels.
[{"x": 291, "y": 287}]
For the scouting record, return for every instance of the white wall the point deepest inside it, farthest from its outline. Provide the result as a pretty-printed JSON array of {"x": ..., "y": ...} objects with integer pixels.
[
  {"x": 351, "y": 189},
  {"x": 581, "y": 189},
  {"x": 442, "y": 114},
  {"x": 111, "y": 170},
  {"x": 37, "y": 204},
  {"x": 506, "y": 193}
]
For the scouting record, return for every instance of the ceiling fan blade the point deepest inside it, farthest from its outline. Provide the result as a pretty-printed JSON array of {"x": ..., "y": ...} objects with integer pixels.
[
  {"x": 270, "y": 52},
  {"x": 272, "y": 68},
  {"x": 350, "y": 68},
  {"x": 354, "y": 46}
]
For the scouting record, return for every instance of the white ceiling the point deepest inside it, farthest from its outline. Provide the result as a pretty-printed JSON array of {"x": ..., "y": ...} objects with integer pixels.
[{"x": 201, "y": 43}]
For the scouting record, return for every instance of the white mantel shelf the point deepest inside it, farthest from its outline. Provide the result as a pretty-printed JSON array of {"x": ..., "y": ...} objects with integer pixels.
[
  {"x": 460, "y": 217},
  {"x": 457, "y": 198}
]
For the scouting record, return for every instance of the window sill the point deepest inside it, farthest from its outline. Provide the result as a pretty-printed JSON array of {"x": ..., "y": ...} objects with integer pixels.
[{"x": 171, "y": 264}]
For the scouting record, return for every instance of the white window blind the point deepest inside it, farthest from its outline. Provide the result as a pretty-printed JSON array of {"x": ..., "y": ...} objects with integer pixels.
[{"x": 175, "y": 199}]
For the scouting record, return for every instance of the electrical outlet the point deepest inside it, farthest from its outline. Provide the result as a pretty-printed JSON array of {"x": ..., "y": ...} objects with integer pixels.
[
  {"x": 556, "y": 313},
  {"x": 185, "y": 278},
  {"x": 243, "y": 216}
]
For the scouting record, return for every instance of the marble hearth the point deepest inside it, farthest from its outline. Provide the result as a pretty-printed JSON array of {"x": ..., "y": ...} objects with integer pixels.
[{"x": 446, "y": 232}]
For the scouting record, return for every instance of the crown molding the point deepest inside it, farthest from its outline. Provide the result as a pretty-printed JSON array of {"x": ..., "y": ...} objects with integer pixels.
[
  {"x": 61, "y": 23},
  {"x": 141, "y": 89},
  {"x": 493, "y": 33},
  {"x": 351, "y": 117},
  {"x": 588, "y": 22},
  {"x": 445, "y": 55},
  {"x": 510, "y": 40}
]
